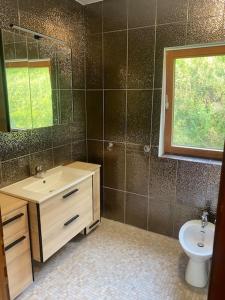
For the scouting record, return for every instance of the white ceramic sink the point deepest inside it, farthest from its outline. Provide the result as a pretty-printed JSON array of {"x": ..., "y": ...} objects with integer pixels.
[{"x": 53, "y": 182}]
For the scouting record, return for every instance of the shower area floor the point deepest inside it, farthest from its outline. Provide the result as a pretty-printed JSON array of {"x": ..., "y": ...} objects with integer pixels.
[{"x": 115, "y": 262}]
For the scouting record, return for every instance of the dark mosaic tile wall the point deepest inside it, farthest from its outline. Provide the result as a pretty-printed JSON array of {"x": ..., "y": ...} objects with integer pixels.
[
  {"x": 125, "y": 41},
  {"x": 21, "y": 151}
]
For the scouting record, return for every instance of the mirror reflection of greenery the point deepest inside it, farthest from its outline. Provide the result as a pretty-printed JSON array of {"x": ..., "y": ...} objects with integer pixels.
[
  {"x": 199, "y": 102},
  {"x": 30, "y": 97}
]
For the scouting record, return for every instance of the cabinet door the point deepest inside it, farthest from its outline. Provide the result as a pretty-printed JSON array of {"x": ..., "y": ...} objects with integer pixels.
[{"x": 18, "y": 266}]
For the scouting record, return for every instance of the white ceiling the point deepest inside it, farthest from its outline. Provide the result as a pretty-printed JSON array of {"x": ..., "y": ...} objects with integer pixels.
[{"x": 85, "y": 2}]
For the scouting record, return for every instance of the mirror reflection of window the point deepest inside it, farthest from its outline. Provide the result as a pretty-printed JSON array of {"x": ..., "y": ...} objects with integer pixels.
[
  {"x": 17, "y": 74},
  {"x": 36, "y": 81},
  {"x": 30, "y": 104},
  {"x": 41, "y": 93}
]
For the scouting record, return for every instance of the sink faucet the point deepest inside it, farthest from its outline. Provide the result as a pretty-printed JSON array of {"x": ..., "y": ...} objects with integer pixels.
[
  {"x": 39, "y": 171},
  {"x": 204, "y": 218}
]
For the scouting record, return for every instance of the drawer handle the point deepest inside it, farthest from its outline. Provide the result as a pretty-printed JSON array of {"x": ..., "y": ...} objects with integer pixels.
[
  {"x": 71, "y": 220},
  {"x": 15, "y": 243},
  {"x": 70, "y": 193},
  {"x": 13, "y": 219}
]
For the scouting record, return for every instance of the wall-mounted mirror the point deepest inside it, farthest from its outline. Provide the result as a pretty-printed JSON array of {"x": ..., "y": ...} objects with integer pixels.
[{"x": 36, "y": 81}]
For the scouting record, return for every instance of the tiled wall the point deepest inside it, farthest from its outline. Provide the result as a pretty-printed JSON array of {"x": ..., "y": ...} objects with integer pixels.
[
  {"x": 21, "y": 151},
  {"x": 125, "y": 41}
]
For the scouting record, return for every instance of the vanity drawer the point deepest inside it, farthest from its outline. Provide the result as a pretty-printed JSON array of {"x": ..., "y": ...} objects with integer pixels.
[
  {"x": 15, "y": 222},
  {"x": 66, "y": 227},
  {"x": 15, "y": 247},
  {"x": 61, "y": 207},
  {"x": 56, "y": 221}
]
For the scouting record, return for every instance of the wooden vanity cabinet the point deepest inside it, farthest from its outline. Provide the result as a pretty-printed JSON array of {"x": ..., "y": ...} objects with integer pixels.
[
  {"x": 57, "y": 220},
  {"x": 96, "y": 191},
  {"x": 4, "y": 287},
  {"x": 16, "y": 242}
]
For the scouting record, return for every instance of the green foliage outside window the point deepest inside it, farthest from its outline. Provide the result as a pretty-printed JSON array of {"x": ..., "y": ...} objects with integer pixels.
[
  {"x": 199, "y": 102},
  {"x": 30, "y": 97}
]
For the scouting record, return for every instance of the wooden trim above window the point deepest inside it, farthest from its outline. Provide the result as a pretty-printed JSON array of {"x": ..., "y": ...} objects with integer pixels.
[{"x": 171, "y": 56}]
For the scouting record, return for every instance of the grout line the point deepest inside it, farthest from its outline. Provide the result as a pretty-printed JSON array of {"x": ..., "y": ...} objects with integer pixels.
[
  {"x": 1, "y": 174},
  {"x": 106, "y": 141},
  {"x": 150, "y": 141},
  {"x": 126, "y": 106},
  {"x": 94, "y": 90},
  {"x": 72, "y": 89},
  {"x": 44, "y": 150},
  {"x": 171, "y": 23},
  {"x": 18, "y": 157},
  {"x": 85, "y": 86},
  {"x": 118, "y": 142},
  {"x": 187, "y": 21},
  {"x": 29, "y": 162},
  {"x": 174, "y": 203},
  {"x": 103, "y": 95},
  {"x": 188, "y": 7},
  {"x": 136, "y": 89},
  {"x": 71, "y": 147},
  {"x": 124, "y": 191},
  {"x": 53, "y": 162},
  {"x": 143, "y": 27},
  {"x": 73, "y": 99},
  {"x": 18, "y": 12},
  {"x": 103, "y": 107},
  {"x": 223, "y": 20},
  {"x": 114, "y": 31}
]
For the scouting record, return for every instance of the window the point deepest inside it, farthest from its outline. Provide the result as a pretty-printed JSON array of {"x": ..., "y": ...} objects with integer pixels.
[
  {"x": 30, "y": 103},
  {"x": 194, "y": 89}
]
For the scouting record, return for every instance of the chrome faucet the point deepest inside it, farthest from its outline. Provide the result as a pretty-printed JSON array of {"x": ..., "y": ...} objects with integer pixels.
[
  {"x": 204, "y": 218},
  {"x": 39, "y": 171}
]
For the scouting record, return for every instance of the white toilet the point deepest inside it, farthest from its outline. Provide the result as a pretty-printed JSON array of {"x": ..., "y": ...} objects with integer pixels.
[{"x": 197, "y": 243}]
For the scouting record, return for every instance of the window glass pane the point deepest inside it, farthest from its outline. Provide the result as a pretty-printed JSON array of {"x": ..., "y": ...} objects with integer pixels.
[{"x": 199, "y": 102}]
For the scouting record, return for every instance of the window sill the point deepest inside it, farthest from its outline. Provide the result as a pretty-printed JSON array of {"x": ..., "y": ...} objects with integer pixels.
[{"x": 192, "y": 159}]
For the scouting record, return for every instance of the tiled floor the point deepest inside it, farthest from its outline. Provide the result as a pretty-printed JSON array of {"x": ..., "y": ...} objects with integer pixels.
[{"x": 117, "y": 262}]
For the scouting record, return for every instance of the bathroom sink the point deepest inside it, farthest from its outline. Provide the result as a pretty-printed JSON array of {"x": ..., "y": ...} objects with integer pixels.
[{"x": 53, "y": 182}]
